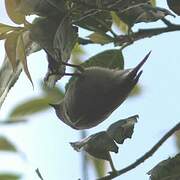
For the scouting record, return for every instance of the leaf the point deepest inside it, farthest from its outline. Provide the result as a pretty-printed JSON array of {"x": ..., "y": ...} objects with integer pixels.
[
  {"x": 77, "y": 53},
  {"x": 166, "y": 170},
  {"x": 99, "y": 166},
  {"x": 21, "y": 55},
  {"x": 4, "y": 28},
  {"x": 14, "y": 15},
  {"x": 10, "y": 47},
  {"x": 55, "y": 94},
  {"x": 6, "y": 145},
  {"x": 97, "y": 145},
  {"x": 9, "y": 177},
  {"x": 65, "y": 39},
  {"x": 95, "y": 21},
  {"x": 9, "y": 78},
  {"x": 136, "y": 91},
  {"x": 100, "y": 38},
  {"x": 30, "y": 107},
  {"x": 153, "y": 2},
  {"x": 144, "y": 12},
  {"x": 122, "y": 129},
  {"x": 112, "y": 59},
  {"x": 119, "y": 23}
]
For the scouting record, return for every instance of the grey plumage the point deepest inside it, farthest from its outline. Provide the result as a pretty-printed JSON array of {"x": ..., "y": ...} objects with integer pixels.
[{"x": 95, "y": 94}]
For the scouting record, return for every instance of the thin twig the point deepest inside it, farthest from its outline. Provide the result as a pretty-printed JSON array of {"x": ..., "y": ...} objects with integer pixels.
[
  {"x": 39, "y": 174},
  {"x": 145, "y": 156}
]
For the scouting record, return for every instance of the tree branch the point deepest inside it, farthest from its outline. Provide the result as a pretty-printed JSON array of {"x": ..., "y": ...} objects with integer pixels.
[
  {"x": 126, "y": 40},
  {"x": 145, "y": 33},
  {"x": 145, "y": 156}
]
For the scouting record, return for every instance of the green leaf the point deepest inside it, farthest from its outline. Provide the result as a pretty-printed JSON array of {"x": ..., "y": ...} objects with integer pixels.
[
  {"x": 112, "y": 59},
  {"x": 6, "y": 145},
  {"x": 54, "y": 94},
  {"x": 122, "y": 129},
  {"x": 166, "y": 170},
  {"x": 100, "y": 38},
  {"x": 4, "y": 28},
  {"x": 14, "y": 15},
  {"x": 65, "y": 38},
  {"x": 21, "y": 55},
  {"x": 153, "y": 2},
  {"x": 98, "y": 145},
  {"x": 136, "y": 91},
  {"x": 99, "y": 166},
  {"x": 30, "y": 107},
  {"x": 10, "y": 47},
  {"x": 119, "y": 23},
  {"x": 97, "y": 21},
  {"x": 77, "y": 53},
  {"x": 9, "y": 177}
]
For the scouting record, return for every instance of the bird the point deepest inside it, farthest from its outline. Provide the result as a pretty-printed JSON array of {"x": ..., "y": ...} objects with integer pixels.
[{"x": 95, "y": 93}]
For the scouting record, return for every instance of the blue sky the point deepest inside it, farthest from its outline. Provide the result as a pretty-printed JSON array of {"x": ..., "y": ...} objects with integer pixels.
[{"x": 45, "y": 140}]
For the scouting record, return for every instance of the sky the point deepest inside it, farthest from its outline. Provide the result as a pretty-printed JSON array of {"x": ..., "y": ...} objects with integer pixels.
[{"x": 44, "y": 140}]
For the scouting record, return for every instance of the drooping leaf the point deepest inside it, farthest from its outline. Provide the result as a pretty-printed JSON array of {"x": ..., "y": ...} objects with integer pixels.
[
  {"x": 55, "y": 94},
  {"x": 77, "y": 54},
  {"x": 42, "y": 35},
  {"x": 4, "y": 28},
  {"x": 99, "y": 166},
  {"x": 6, "y": 145},
  {"x": 7, "y": 77},
  {"x": 97, "y": 145},
  {"x": 119, "y": 23},
  {"x": 10, "y": 47},
  {"x": 122, "y": 129},
  {"x": 166, "y": 170},
  {"x": 65, "y": 38},
  {"x": 136, "y": 91},
  {"x": 100, "y": 38},
  {"x": 21, "y": 55},
  {"x": 14, "y": 15},
  {"x": 9, "y": 176},
  {"x": 30, "y": 107},
  {"x": 153, "y": 2}
]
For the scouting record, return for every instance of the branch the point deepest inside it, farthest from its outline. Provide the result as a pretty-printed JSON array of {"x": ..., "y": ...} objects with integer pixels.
[
  {"x": 145, "y": 33},
  {"x": 145, "y": 156}
]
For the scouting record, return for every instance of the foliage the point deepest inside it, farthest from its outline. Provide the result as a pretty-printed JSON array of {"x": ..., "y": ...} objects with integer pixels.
[{"x": 62, "y": 41}]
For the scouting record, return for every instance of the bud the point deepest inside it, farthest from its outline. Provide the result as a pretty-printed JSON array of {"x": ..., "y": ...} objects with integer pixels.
[{"x": 95, "y": 94}]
